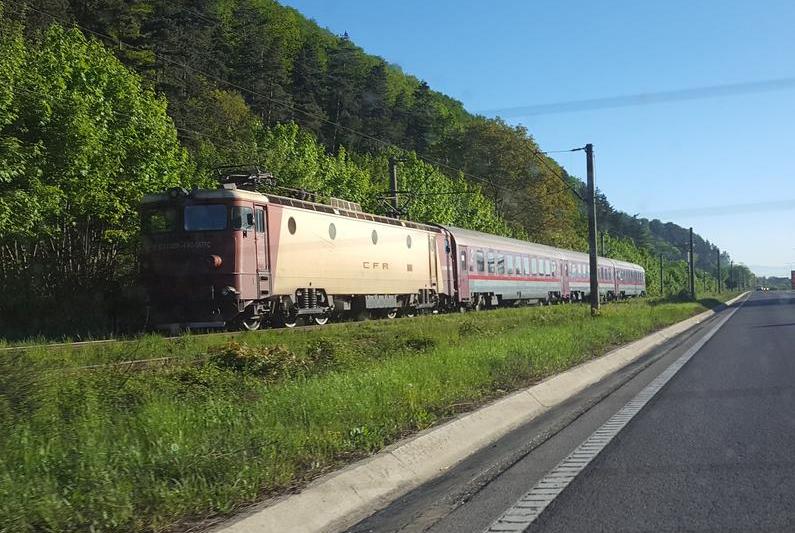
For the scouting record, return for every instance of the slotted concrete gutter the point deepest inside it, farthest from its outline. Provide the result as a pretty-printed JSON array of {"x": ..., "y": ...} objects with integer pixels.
[{"x": 343, "y": 498}]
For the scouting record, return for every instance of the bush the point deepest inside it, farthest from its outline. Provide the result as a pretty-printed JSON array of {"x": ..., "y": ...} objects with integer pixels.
[{"x": 271, "y": 363}]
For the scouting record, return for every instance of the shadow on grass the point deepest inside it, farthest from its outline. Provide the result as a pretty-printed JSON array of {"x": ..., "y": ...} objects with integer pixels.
[{"x": 710, "y": 302}]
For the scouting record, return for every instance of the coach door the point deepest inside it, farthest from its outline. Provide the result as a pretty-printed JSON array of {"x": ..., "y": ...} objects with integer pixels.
[
  {"x": 564, "y": 275},
  {"x": 465, "y": 259},
  {"x": 263, "y": 276},
  {"x": 433, "y": 264}
]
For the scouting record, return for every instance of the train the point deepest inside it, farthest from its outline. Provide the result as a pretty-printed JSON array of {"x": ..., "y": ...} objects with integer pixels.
[{"x": 232, "y": 257}]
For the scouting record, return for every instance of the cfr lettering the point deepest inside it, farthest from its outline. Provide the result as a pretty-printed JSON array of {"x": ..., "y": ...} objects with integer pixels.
[{"x": 367, "y": 265}]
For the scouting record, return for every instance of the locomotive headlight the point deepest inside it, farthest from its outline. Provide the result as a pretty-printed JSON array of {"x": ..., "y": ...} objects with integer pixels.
[{"x": 228, "y": 291}]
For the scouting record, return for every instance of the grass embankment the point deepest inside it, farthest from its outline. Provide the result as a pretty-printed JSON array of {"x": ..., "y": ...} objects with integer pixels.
[{"x": 125, "y": 449}]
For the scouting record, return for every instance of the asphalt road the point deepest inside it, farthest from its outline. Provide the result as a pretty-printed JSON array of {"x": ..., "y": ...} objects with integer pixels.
[{"x": 714, "y": 450}]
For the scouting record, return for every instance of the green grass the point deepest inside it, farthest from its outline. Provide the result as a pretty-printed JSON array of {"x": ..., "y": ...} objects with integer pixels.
[{"x": 145, "y": 450}]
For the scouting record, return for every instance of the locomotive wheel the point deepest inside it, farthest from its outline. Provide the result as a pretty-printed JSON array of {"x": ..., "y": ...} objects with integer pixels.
[
  {"x": 282, "y": 321},
  {"x": 320, "y": 320},
  {"x": 250, "y": 324},
  {"x": 391, "y": 314},
  {"x": 410, "y": 312}
]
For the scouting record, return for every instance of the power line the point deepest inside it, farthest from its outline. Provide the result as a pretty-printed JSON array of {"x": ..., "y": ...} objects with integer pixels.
[
  {"x": 560, "y": 151},
  {"x": 537, "y": 155},
  {"x": 678, "y": 95}
]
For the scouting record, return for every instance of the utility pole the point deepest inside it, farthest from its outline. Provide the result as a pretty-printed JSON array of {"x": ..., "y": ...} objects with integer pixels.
[
  {"x": 692, "y": 269},
  {"x": 602, "y": 244},
  {"x": 393, "y": 186},
  {"x": 718, "y": 270},
  {"x": 731, "y": 274},
  {"x": 591, "y": 200},
  {"x": 662, "y": 285}
]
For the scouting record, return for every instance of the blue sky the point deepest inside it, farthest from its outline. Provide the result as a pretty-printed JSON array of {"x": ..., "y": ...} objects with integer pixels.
[{"x": 671, "y": 160}]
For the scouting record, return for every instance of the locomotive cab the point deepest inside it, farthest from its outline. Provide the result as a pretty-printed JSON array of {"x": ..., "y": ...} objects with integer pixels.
[{"x": 204, "y": 257}]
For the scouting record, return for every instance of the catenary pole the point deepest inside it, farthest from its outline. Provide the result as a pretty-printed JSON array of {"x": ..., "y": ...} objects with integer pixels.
[
  {"x": 692, "y": 268},
  {"x": 718, "y": 270},
  {"x": 591, "y": 200},
  {"x": 662, "y": 285},
  {"x": 393, "y": 186}
]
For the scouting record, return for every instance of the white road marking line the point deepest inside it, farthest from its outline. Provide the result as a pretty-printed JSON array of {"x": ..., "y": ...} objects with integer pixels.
[{"x": 530, "y": 506}]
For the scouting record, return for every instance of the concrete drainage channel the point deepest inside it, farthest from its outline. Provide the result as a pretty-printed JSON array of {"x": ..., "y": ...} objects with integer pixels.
[{"x": 343, "y": 498}]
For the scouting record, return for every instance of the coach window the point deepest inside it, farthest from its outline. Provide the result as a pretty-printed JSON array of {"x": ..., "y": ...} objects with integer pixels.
[
  {"x": 463, "y": 261},
  {"x": 534, "y": 266},
  {"x": 509, "y": 263},
  {"x": 491, "y": 262},
  {"x": 500, "y": 264},
  {"x": 526, "y": 262},
  {"x": 554, "y": 267},
  {"x": 479, "y": 260}
]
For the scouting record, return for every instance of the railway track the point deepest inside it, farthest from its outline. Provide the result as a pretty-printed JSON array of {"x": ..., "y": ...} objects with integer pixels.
[
  {"x": 151, "y": 362},
  {"x": 80, "y": 344}
]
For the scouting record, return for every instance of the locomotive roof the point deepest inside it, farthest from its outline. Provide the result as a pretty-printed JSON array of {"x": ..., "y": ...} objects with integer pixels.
[{"x": 241, "y": 194}]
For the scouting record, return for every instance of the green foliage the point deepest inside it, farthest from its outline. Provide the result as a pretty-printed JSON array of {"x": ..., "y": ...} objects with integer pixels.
[{"x": 82, "y": 141}]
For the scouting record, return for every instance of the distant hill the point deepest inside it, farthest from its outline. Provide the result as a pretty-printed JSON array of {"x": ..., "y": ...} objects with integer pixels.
[{"x": 774, "y": 283}]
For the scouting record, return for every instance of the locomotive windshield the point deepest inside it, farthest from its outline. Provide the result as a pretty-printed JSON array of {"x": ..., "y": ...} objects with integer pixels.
[
  {"x": 162, "y": 220},
  {"x": 205, "y": 217}
]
